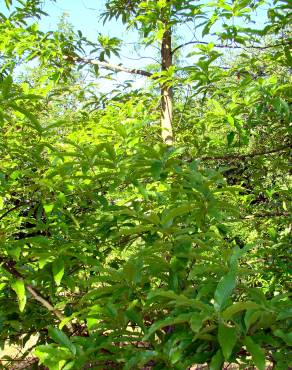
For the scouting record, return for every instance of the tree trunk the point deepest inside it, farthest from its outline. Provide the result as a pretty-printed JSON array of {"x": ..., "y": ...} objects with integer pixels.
[{"x": 166, "y": 91}]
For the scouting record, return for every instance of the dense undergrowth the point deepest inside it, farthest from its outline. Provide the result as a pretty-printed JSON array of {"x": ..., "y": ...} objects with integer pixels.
[{"x": 121, "y": 251}]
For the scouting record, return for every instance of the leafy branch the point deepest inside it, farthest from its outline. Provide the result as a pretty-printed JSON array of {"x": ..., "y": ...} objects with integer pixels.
[
  {"x": 267, "y": 215},
  {"x": 12, "y": 209},
  {"x": 261, "y": 215},
  {"x": 223, "y": 46},
  {"x": 245, "y": 156},
  {"x": 9, "y": 266}
]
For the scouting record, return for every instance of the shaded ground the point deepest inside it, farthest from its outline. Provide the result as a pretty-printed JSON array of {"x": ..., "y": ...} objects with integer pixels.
[{"x": 30, "y": 363}]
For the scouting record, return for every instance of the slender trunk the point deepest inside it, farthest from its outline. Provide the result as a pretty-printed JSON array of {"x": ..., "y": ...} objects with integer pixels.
[{"x": 166, "y": 91}]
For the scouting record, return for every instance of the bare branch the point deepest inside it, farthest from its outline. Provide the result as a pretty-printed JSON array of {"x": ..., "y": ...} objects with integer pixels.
[
  {"x": 222, "y": 46},
  {"x": 140, "y": 57},
  {"x": 106, "y": 65}
]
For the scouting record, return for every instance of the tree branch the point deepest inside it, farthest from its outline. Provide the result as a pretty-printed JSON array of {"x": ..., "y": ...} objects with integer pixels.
[
  {"x": 12, "y": 209},
  {"x": 266, "y": 215},
  {"x": 260, "y": 215},
  {"x": 222, "y": 46},
  {"x": 9, "y": 266},
  {"x": 106, "y": 65},
  {"x": 245, "y": 156}
]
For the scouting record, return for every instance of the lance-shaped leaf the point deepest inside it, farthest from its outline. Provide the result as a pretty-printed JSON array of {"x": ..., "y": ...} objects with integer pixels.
[
  {"x": 227, "y": 338},
  {"x": 58, "y": 270},
  {"x": 19, "y": 288},
  {"x": 184, "y": 317},
  {"x": 61, "y": 338},
  {"x": 217, "y": 361},
  {"x": 225, "y": 288},
  {"x": 238, "y": 307},
  {"x": 256, "y": 352}
]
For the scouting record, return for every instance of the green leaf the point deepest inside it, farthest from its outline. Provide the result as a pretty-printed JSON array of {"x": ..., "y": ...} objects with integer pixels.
[
  {"x": 288, "y": 55},
  {"x": 163, "y": 293},
  {"x": 251, "y": 317},
  {"x": 197, "y": 320},
  {"x": 287, "y": 337},
  {"x": 185, "y": 317},
  {"x": 227, "y": 339},
  {"x": 139, "y": 358},
  {"x": 258, "y": 296},
  {"x": 135, "y": 317},
  {"x": 238, "y": 307},
  {"x": 135, "y": 230},
  {"x": 217, "y": 361},
  {"x": 19, "y": 288},
  {"x": 48, "y": 208},
  {"x": 177, "y": 299},
  {"x": 155, "y": 169},
  {"x": 224, "y": 289},
  {"x": 8, "y": 3},
  {"x": 58, "y": 270},
  {"x": 230, "y": 120},
  {"x": 161, "y": 4},
  {"x": 51, "y": 356},
  {"x": 238, "y": 253},
  {"x": 256, "y": 352},
  {"x": 67, "y": 319},
  {"x": 230, "y": 137},
  {"x": 170, "y": 214},
  {"x": 285, "y": 314},
  {"x": 70, "y": 365},
  {"x": 29, "y": 115},
  {"x": 60, "y": 337},
  {"x": 206, "y": 29}
]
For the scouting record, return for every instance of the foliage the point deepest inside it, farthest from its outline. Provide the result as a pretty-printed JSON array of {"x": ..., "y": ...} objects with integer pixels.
[{"x": 120, "y": 251}]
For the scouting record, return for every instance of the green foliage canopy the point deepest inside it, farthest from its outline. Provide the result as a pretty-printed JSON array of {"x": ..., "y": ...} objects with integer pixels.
[{"x": 118, "y": 250}]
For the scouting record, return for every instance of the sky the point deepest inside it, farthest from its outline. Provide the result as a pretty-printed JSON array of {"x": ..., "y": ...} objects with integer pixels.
[{"x": 84, "y": 15}]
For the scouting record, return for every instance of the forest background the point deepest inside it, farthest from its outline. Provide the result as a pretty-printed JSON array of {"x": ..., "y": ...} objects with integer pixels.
[{"x": 144, "y": 203}]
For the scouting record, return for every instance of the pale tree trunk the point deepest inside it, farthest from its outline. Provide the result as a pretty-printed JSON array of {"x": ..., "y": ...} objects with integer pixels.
[
  {"x": 166, "y": 91},
  {"x": 166, "y": 62}
]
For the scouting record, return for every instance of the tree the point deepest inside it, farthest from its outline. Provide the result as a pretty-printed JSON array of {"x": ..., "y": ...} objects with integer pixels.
[{"x": 147, "y": 246}]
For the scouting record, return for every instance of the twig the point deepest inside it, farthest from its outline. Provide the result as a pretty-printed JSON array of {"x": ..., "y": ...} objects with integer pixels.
[
  {"x": 245, "y": 156},
  {"x": 11, "y": 210},
  {"x": 106, "y": 65},
  {"x": 140, "y": 57},
  {"x": 266, "y": 214},
  {"x": 222, "y": 46},
  {"x": 9, "y": 266},
  {"x": 261, "y": 215}
]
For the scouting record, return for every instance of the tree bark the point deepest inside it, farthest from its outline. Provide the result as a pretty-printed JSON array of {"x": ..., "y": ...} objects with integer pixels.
[
  {"x": 166, "y": 91},
  {"x": 106, "y": 65}
]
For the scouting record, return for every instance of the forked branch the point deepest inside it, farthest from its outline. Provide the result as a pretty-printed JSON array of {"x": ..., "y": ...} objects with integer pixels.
[
  {"x": 223, "y": 46},
  {"x": 106, "y": 65}
]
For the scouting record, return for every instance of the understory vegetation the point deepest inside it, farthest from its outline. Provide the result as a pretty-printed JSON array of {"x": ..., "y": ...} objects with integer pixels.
[{"x": 147, "y": 227}]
